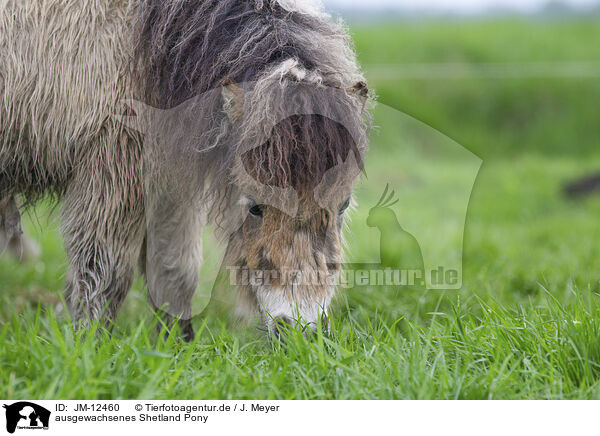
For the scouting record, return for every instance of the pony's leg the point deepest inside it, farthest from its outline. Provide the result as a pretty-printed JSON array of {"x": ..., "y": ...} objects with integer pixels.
[
  {"x": 10, "y": 217},
  {"x": 10, "y": 224},
  {"x": 12, "y": 238},
  {"x": 173, "y": 256},
  {"x": 102, "y": 223}
]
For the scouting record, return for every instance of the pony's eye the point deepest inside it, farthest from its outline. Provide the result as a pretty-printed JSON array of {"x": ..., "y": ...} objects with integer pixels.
[
  {"x": 256, "y": 210},
  {"x": 344, "y": 206}
]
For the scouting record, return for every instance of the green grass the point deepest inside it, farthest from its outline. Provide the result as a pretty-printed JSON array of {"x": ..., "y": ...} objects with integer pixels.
[
  {"x": 524, "y": 352},
  {"x": 526, "y": 323}
]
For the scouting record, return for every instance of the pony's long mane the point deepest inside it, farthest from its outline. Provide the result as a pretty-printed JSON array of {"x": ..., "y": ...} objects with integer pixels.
[{"x": 185, "y": 48}]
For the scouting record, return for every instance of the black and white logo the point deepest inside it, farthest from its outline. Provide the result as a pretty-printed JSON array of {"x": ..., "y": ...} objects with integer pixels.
[{"x": 26, "y": 416}]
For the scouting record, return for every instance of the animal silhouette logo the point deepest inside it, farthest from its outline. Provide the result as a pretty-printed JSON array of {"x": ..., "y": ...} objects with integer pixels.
[
  {"x": 26, "y": 415},
  {"x": 398, "y": 249}
]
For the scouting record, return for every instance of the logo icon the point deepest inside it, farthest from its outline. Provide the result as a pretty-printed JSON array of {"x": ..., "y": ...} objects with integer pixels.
[
  {"x": 397, "y": 247},
  {"x": 26, "y": 416}
]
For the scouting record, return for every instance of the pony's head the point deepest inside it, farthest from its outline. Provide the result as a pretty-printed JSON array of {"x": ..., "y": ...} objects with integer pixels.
[{"x": 294, "y": 190}]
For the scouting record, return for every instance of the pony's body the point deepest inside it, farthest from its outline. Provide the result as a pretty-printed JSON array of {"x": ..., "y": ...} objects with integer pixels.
[
  {"x": 63, "y": 72},
  {"x": 66, "y": 67}
]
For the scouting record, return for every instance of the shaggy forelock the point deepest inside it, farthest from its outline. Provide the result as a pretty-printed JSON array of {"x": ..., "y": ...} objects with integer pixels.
[{"x": 299, "y": 152}]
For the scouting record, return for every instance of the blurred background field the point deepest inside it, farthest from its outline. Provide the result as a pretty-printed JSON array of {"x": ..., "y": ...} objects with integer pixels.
[{"x": 520, "y": 92}]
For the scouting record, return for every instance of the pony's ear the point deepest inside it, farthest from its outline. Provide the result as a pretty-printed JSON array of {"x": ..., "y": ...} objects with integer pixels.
[
  {"x": 360, "y": 88},
  {"x": 233, "y": 100}
]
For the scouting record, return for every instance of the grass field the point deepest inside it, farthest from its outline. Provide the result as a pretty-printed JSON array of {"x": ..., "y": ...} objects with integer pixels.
[{"x": 526, "y": 323}]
